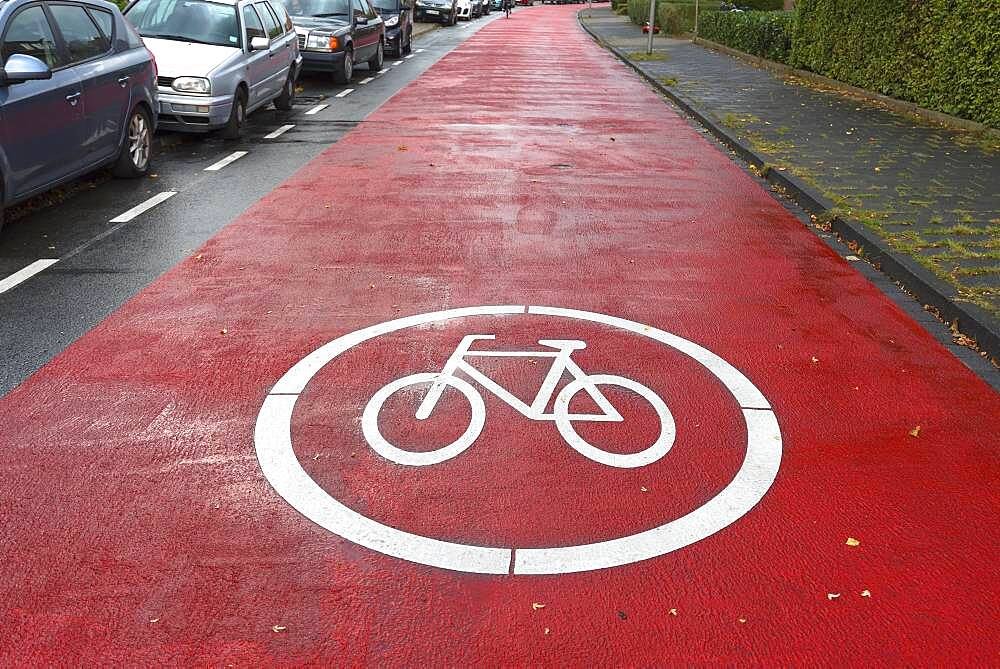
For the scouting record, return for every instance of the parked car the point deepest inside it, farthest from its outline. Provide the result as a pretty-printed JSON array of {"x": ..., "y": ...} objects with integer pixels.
[
  {"x": 77, "y": 92},
  {"x": 486, "y": 7},
  {"x": 398, "y": 18},
  {"x": 219, "y": 60},
  {"x": 477, "y": 8},
  {"x": 334, "y": 35},
  {"x": 463, "y": 10},
  {"x": 437, "y": 11}
]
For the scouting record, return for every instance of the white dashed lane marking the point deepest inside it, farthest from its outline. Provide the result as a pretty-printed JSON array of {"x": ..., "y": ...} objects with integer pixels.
[
  {"x": 228, "y": 160},
  {"x": 344, "y": 93},
  {"x": 144, "y": 207},
  {"x": 279, "y": 132},
  {"x": 317, "y": 109},
  {"x": 26, "y": 273}
]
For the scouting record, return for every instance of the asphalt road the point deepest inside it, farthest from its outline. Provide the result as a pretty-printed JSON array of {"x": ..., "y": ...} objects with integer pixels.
[{"x": 101, "y": 263}]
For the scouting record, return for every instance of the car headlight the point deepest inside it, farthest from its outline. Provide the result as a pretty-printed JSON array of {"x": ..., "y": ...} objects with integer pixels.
[
  {"x": 321, "y": 42},
  {"x": 197, "y": 85},
  {"x": 392, "y": 21}
]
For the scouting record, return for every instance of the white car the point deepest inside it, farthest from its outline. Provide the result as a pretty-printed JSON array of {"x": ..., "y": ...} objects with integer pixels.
[
  {"x": 218, "y": 60},
  {"x": 463, "y": 9}
]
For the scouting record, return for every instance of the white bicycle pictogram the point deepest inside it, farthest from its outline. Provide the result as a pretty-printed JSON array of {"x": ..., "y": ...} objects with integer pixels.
[{"x": 562, "y": 363}]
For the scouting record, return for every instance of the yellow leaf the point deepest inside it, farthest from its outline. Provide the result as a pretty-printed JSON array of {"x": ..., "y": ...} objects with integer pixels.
[
  {"x": 851, "y": 541},
  {"x": 672, "y": 612},
  {"x": 154, "y": 620},
  {"x": 742, "y": 620},
  {"x": 644, "y": 489},
  {"x": 866, "y": 593},
  {"x": 815, "y": 359},
  {"x": 537, "y": 605},
  {"x": 832, "y": 595},
  {"x": 547, "y": 630},
  {"x": 223, "y": 331},
  {"x": 278, "y": 628},
  {"x": 915, "y": 432}
]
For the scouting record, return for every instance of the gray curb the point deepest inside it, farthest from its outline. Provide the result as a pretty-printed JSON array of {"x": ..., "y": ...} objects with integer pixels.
[{"x": 972, "y": 321}]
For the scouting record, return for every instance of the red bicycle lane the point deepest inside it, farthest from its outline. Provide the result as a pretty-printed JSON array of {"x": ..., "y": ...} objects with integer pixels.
[{"x": 520, "y": 172}]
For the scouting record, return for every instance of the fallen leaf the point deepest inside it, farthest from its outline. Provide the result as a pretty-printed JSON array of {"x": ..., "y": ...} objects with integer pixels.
[
  {"x": 832, "y": 595},
  {"x": 815, "y": 359},
  {"x": 198, "y": 257},
  {"x": 223, "y": 331},
  {"x": 742, "y": 620},
  {"x": 371, "y": 285},
  {"x": 866, "y": 593},
  {"x": 622, "y": 615},
  {"x": 537, "y": 605},
  {"x": 547, "y": 630},
  {"x": 278, "y": 628},
  {"x": 402, "y": 147},
  {"x": 672, "y": 612},
  {"x": 915, "y": 432},
  {"x": 851, "y": 541},
  {"x": 644, "y": 489},
  {"x": 156, "y": 620}
]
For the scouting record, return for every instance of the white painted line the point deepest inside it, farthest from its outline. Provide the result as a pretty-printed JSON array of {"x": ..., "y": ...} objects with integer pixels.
[
  {"x": 383, "y": 70},
  {"x": 317, "y": 109},
  {"x": 228, "y": 160},
  {"x": 419, "y": 51},
  {"x": 279, "y": 132},
  {"x": 395, "y": 63},
  {"x": 409, "y": 57},
  {"x": 145, "y": 206},
  {"x": 344, "y": 93},
  {"x": 22, "y": 275},
  {"x": 366, "y": 80}
]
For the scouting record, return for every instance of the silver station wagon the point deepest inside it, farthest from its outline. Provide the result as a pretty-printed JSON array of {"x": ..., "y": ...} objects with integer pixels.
[{"x": 218, "y": 60}]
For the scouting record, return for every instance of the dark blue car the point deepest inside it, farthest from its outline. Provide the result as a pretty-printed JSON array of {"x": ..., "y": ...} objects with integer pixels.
[{"x": 77, "y": 92}]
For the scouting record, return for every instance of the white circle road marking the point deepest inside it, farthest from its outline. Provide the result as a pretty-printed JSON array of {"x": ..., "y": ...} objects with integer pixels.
[{"x": 281, "y": 467}]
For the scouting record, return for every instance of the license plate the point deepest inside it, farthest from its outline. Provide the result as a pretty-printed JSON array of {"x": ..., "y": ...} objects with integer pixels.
[{"x": 433, "y": 11}]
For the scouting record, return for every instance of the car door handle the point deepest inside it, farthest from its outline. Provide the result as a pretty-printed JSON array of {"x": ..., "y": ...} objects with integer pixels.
[
  {"x": 73, "y": 99},
  {"x": 123, "y": 81}
]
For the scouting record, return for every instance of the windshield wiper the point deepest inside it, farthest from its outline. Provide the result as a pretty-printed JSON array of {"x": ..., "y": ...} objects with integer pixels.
[
  {"x": 180, "y": 38},
  {"x": 332, "y": 14}
]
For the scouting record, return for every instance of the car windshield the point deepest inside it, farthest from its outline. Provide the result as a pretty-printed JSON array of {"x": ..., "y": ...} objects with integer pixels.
[
  {"x": 320, "y": 8},
  {"x": 386, "y": 5},
  {"x": 186, "y": 20}
]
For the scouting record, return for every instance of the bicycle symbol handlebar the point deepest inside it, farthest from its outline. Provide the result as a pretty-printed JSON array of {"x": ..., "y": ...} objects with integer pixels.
[{"x": 561, "y": 363}]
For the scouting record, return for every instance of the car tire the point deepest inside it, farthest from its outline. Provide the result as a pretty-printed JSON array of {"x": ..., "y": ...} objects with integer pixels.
[
  {"x": 375, "y": 64},
  {"x": 237, "y": 117},
  {"x": 286, "y": 100},
  {"x": 137, "y": 147},
  {"x": 346, "y": 71}
]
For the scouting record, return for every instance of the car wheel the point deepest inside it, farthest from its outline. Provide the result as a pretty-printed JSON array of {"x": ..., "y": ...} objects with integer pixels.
[
  {"x": 375, "y": 64},
  {"x": 344, "y": 74},
  {"x": 133, "y": 159},
  {"x": 237, "y": 117},
  {"x": 286, "y": 100}
]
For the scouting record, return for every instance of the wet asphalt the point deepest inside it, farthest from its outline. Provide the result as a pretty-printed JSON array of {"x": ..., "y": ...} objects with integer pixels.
[{"x": 101, "y": 264}]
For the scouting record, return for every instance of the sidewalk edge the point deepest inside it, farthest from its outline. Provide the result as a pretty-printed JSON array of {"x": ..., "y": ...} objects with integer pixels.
[{"x": 968, "y": 319}]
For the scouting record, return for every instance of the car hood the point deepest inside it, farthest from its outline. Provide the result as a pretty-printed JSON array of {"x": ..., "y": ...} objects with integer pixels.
[
  {"x": 187, "y": 59},
  {"x": 305, "y": 24}
]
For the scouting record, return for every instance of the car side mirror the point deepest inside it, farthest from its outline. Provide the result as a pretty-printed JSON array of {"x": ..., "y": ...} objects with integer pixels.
[
  {"x": 361, "y": 20},
  {"x": 20, "y": 68},
  {"x": 259, "y": 44}
]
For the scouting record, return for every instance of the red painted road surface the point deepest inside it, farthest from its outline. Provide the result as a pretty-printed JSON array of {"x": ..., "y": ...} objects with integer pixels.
[{"x": 526, "y": 168}]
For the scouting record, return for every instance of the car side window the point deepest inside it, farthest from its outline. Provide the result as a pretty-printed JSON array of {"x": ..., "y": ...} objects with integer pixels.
[
  {"x": 104, "y": 20},
  {"x": 283, "y": 18},
  {"x": 253, "y": 24},
  {"x": 358, "y": 7},
  {"x": 270, "y": 24},
  {"x": 369, "y": 10},
  {"x": 29, "y": 33},
  {"x": 83, "y": 40}
]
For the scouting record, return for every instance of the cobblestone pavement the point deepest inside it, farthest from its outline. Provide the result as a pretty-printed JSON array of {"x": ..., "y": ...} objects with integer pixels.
[{"x": 932, "y": 192}]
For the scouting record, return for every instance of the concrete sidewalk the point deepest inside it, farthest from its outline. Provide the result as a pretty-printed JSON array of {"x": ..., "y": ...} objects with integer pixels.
[{"x": 932, "y": 194}]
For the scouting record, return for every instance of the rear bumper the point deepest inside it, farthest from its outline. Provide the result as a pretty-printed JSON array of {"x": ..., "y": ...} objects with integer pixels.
[{"x": 438, "y": 15}]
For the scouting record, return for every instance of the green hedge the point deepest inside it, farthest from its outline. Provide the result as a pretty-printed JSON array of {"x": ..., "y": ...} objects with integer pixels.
[
  {"x": 940, "y": 54},
  {"x": 765, "y": 34},
  {"x": 673, "y": 18}
]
